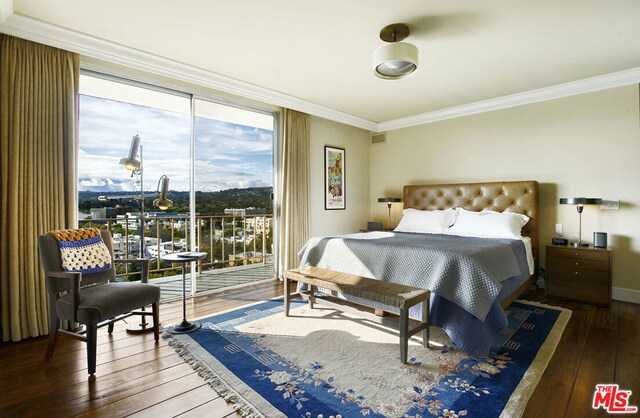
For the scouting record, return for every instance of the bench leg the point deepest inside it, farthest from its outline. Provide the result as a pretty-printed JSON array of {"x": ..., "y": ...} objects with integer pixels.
[
  {"x": 312, "y": 297},
  {"x": 287, "y": 295},
  {"x": 404, "y": 335},
  {"x": 425, "y": 320}
]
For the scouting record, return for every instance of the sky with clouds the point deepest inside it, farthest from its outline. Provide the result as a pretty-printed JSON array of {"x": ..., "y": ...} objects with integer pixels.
[{"x": 228, "y": 154}]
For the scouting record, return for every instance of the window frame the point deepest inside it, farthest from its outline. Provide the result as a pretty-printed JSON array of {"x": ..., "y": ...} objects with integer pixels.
[{"x": 194, "y": 93}]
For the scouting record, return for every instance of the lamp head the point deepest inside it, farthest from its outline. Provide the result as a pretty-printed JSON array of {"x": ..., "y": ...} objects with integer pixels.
[
  {"x": 163, "y": 203},
  {"x": 131, "y": 162},
  {"x": 580, "y": 202},
  {"x": 389, "y": 200}
]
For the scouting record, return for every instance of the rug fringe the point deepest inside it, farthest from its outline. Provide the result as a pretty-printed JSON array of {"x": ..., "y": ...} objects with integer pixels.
[
  {"x": 225, "y": 391},
  {"x": 542, "y": 305}
]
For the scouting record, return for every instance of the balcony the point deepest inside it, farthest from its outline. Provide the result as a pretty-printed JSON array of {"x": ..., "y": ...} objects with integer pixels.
[
  {"x": 212, "y": 281},
  {"x": 239, "y": 249}
]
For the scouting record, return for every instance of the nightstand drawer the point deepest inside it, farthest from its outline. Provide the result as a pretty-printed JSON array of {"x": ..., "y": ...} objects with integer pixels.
[
  {"x": 579, "y": 263},
  {"x": 578, "y": 254},
  {"x": 589, "y": 293},
  {"x": 577, "y": 276}
]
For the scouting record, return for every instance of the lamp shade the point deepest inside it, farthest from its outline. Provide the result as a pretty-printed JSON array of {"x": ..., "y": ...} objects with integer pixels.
[
  {"x": 389, "y": 199},
  {"x": 395, "y": 60},
  {"x": 580, "y": 201},
  {"x": 163, "y": 203},
  {"x": 131, "y": 162}
]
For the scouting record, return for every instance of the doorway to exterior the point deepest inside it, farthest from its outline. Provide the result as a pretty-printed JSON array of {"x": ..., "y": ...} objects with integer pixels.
[{"x": 218, "y": 159}]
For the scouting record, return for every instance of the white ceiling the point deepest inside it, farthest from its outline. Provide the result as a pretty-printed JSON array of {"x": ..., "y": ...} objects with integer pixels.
[{"x": 319, "y": 53}]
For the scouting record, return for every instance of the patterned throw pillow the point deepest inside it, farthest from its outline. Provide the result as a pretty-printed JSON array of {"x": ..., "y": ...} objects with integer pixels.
[{"x": 83, "y": 250}]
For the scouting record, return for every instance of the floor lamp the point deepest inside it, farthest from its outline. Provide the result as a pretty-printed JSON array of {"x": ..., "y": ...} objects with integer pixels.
[
  {"x": 389, "y": 201},
  {"x": 132, "y": 163}
]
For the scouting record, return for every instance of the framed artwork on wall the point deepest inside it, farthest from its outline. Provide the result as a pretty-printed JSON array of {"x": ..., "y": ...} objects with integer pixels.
[{"x": 334, "y": 178}]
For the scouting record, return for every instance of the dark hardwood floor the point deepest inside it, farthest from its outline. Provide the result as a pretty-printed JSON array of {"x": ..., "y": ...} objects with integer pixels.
[
  {"x": 599, "y": 345},
  {"x": 137, "y": 377}
]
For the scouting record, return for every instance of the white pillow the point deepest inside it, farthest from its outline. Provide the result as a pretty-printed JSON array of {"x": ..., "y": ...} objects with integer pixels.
[
  {"x": 426, "y": 221},
  {"x": 488, "y": 224}
]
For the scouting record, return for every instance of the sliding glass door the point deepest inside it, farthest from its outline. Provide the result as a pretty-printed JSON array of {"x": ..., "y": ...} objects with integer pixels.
[
  {"x": 120, "y": 121},
  {"x": 217, "y": 159},
  {"x": 234, "y": 191}
]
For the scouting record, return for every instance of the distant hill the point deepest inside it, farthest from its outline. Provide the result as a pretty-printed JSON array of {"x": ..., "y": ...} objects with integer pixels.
[{"x": 207, "y": 203}]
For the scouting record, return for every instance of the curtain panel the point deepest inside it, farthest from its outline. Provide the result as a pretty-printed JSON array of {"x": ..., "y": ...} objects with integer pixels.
[
  {"x": 38, "y": 186},
  {"x": 294, "y": 189}
]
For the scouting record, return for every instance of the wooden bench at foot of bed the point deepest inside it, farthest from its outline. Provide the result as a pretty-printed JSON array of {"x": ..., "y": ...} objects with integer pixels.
[{"x": 397, "y": 295}]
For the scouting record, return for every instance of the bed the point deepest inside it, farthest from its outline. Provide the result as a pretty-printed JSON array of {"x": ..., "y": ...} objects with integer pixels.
[{"x": 471, "y": 279}]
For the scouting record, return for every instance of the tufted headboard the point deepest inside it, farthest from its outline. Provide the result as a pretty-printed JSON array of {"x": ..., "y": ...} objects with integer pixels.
[{"x": 505, "y": 196}]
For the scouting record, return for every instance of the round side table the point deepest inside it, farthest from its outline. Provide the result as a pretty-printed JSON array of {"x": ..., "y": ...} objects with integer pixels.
[{"x": 184, "y": 258}]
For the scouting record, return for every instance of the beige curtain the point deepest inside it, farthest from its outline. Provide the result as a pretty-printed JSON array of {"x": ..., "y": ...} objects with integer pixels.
[
  {"x": 38, "y": 144},
  {"x": 294, "y": 189}
]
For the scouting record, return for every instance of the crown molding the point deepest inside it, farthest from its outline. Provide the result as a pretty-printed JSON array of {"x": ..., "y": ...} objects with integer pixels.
[
  {"x": 587, "y": 85},
  {"x": 59, "y": 37},
  {"x": 6, "y": 10},
  {"x": 45, "y": 33}
]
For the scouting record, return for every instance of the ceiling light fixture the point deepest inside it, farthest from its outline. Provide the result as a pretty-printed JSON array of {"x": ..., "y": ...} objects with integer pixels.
[{"x": 395, "y": 59}]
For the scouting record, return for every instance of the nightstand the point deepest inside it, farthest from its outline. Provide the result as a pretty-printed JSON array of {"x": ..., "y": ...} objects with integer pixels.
[{"x": 579, "y": 274}]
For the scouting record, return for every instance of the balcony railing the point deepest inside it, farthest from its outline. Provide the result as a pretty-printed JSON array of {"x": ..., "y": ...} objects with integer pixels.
[{"x": 228, "y": 240}]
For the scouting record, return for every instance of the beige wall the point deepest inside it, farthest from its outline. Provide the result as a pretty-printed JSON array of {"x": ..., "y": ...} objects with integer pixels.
[
  {"x": 355, "y": 141},
  {"x": 587, "y": 145}
]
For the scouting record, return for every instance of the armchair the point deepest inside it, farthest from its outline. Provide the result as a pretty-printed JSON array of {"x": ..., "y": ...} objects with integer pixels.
[{"x": 92, "y": 299}]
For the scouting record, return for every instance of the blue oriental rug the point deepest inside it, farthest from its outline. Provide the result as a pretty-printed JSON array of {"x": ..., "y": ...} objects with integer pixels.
[{"x": 323, "y": 362}]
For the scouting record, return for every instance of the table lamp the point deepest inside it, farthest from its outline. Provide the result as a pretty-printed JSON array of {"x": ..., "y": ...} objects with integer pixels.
[
  {"x": 389, "y": 201},
  {"x": 580, "y": 202}
]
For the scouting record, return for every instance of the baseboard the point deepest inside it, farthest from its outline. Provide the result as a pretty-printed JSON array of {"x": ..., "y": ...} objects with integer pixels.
[{"x": 625, "y": 295}]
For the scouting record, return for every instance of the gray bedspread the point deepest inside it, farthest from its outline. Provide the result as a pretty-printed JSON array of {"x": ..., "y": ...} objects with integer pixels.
[{"x": 465, "y": 271}]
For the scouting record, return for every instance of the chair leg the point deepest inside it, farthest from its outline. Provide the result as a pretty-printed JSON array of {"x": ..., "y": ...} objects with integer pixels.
[
  {"x": 53, "y": 335},
  {"x": 155, "y": 311},
  {"x": 54, "y": 324},
  {"x": 92, "y": 340},
  {"x": 110, "y": 328}
]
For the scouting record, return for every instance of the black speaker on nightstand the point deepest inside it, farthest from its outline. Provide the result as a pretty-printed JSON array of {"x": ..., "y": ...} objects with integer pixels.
[{"x": 600, "y": 239}]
